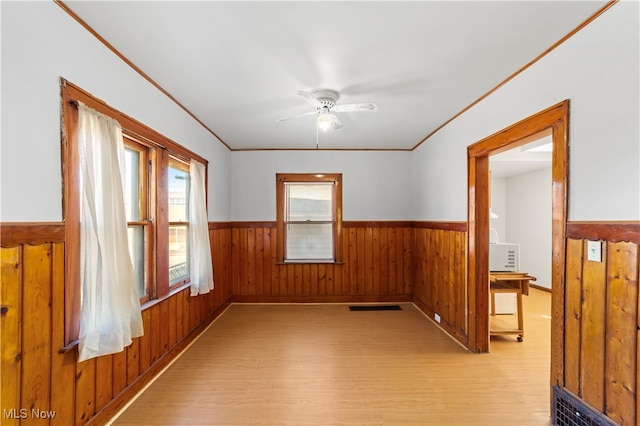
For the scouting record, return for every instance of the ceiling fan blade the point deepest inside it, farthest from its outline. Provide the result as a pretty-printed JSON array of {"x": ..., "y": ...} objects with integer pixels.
[
  {"x": 368, "y": 106},
  {"x": 309, "y": 98},
  {"x": 297, "y": 116},
  {"x": 337, "y": 124}
]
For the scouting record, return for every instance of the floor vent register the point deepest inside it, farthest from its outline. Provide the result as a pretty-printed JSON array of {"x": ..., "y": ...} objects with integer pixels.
[
  {"x": 375, "y": 308},
  {"x": 568, "y": 410}
]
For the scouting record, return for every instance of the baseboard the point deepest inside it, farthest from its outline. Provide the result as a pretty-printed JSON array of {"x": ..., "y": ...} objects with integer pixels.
[
  {"x": 121, "y": 400},
  {"x": 539, "y": 287},
  {"x": 448, "y": 328},
  {"x": 322, "y": 299}
]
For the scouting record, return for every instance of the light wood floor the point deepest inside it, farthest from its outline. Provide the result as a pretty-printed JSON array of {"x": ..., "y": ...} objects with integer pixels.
[{"x": 322, "y": 364}]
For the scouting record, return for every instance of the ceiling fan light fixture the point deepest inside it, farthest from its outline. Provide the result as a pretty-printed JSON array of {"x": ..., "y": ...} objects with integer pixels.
[
  {"x": 324, "y": 104},
  {"x": 324, "y": 121}
]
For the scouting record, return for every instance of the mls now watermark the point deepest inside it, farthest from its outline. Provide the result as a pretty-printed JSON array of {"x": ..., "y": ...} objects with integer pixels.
[{"x": 23, "y": 413}]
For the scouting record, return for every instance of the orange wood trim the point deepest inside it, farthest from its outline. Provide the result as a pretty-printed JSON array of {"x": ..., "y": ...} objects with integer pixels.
[
  {"x": 16, "y": 233},
  {"x": 515, "y": 74},
  {"x": 281, "y": 179},
  {"x": 614, "y": 232},
  {"x": 130, "y": 126},
  {"x": 308, "y": 177},
  {"x": 266, "y": 224},
  {"x": 322, "y": 299},
  {"x": 135, "y": 68},
  {"x": 451, "y": 226},
  {"x": 279, "y": 220},
  {"x": 559, "y": 202},
  {"x": 345, "y": 224},
  {"x": 337, "y": 230},
  {"x": 516, "y": 134},
  {"x": 152, "y": 233},
  {"x": 219, "y": 225},
  {"x": 377, "y": 224},
  {"x": 447, "y": 226},
  {"x": 555, "y": 118},
  {"x": 478, "y": 236},
  {"x": 162, "y": 222},
  {"x": 71, "y": 214}
]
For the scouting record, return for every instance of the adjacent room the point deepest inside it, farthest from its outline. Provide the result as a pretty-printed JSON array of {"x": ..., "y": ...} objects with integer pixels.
[{"x": 239, "y": 212}]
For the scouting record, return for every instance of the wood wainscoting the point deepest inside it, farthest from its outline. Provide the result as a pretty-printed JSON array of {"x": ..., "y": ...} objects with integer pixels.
[
  {"x": 37, "y": 375},
  {"x": 376, "y": 266},
  {"x": 601, "y": 343},
  {"x": 440, "y": 274}
]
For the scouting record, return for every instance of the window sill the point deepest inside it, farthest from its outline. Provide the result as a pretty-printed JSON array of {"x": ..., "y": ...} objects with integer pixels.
[
  {"x": 309, "y": 262},
  {"x": 143, "y": 306},
  {"x": 173, "y": 290}
]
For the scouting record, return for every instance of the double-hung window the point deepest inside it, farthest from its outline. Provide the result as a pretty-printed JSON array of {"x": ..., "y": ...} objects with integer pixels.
[
  {"x": 178, "y": 191},
  {"x": 156, "y": 187},
  {"x": 309, "y": 217},
  {"x": 137, "y": 173}
]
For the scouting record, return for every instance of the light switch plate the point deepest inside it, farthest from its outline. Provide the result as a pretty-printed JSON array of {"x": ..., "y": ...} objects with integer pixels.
[{"x": 594, "y": 251}]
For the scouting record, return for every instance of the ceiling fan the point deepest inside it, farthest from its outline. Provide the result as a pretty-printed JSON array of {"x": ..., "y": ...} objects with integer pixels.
[{"x": 324, "y": 102}]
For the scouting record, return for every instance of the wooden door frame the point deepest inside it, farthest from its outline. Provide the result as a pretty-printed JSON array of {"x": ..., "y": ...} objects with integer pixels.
[{"x": 555, "y": 118}]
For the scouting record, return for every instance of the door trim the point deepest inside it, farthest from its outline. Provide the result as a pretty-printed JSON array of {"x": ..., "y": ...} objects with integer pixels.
[{"x": 555, "y": 118}]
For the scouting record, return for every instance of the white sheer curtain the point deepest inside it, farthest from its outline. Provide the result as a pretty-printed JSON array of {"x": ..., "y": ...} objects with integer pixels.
[
  {"x": 201, "y": 266},
  {"x": 110, "y": 307}
]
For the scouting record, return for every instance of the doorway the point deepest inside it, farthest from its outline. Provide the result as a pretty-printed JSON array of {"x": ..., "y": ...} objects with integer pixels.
[
  {"x": 520, "y": 240},
  {"x": 554, "y": 120}
]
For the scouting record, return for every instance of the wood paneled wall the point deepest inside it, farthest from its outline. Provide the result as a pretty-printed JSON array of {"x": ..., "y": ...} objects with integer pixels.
[
  {"x": 38, "y": 379},
  {"x": 377, "y": 266},
  {"x": 601, "y": 351},
  {"x": 383, "y": 261},
  {"x": 440, "y": 274}
]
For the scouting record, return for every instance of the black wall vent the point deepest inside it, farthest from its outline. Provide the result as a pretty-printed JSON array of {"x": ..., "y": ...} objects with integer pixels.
[
  {"x": 375, "y": 308},
  {"x": 568, "y": 410}
]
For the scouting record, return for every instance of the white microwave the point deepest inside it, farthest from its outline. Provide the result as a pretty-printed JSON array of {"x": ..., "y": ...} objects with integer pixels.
[{"x": 504, "y": 257}]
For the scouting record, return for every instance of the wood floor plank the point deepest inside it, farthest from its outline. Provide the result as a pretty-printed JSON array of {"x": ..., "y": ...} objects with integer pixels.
[{"x": 323, "y": 364}]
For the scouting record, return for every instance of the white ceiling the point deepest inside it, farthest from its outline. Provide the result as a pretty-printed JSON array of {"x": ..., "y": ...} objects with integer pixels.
[
  {"x": 521, "y": 160},
  {"x": 237, "y": 66}
]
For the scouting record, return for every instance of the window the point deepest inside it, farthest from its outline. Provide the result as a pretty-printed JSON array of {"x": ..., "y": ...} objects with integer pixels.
[
  {"x": 156, "y": 191},
  {"x": 137, "y": 206},
  {"x": 178, "y": 189},
  {"x": 309, "y": 217}
]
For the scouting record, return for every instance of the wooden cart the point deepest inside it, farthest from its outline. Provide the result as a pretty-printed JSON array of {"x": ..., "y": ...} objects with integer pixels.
[{"x": 510, "y": 282}]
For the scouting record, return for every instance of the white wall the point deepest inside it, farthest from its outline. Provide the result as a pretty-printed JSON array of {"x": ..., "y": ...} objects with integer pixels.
[
  {"x": 40, "y": 44},
  {"x": 528, "y": 222},
  {"x": 597, "y": 69},
  {"x": 375, "y": 185},
  {"x": 499, "y": 207}
]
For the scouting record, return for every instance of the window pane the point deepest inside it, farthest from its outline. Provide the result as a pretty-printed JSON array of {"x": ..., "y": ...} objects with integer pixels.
[
  {"x": 310, "y": 202},
  {"x": 178, "y": 195},
  {"x": 178, "y": 253},
  {"x": 136, "y": 250},
  {"x": 131, "y": 185},
  {"x": 310, "y": 241}
]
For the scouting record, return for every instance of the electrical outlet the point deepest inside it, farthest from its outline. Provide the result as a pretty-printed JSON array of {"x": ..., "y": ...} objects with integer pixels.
[
  {"x": 594, "y": 251},
  {"x": 437, "y": 318}
]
